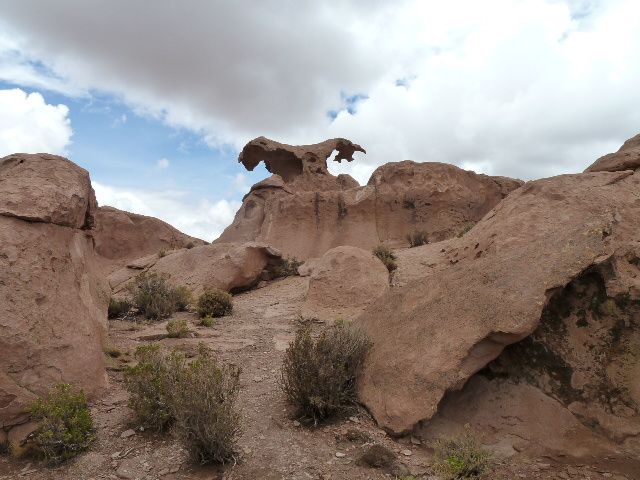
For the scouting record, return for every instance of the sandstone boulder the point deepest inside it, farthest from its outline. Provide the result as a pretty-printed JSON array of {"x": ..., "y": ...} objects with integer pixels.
[
  {"x": 224, "y": 266},
  {"x": 52, "y": 297},
  {"x": 309, "y": 211},
  {"x": 121, "y": 236},
  {"x": 343, "y": 283},
  {"x": 467, "y": 298},
  {"x": 626, "y": 158}
]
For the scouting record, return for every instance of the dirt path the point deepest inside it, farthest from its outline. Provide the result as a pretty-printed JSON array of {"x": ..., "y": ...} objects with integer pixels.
[{"x": 272, "y": 445}]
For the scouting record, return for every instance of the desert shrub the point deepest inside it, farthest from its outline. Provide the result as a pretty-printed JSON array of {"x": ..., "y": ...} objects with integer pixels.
[
  {"x": 147, "y": 384},
  {"x": 65, "y": 427},
  {"x": 177, "y": 328},
  {"x": 162, "y": 253},
  {"x": 460, "y": 457},
  {"x": 288, "y": 267},
  {"x": 385, "y": 254},
  {"x": 465, "y": 229},
  {"x": 182, "y": 297},
  {"x": 417, "y": 238},
  {"x": 203, "y": 402},
  {"x": 153, "y": 296},
  {"x": 207, "y": 321},
  {"x": 118, "y": 307},
  {"x": 319, "y": 375},
  {"x": 214, "y": 303}
]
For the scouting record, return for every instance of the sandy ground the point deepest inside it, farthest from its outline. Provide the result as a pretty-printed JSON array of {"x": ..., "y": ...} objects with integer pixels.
[{"x": 273, "y": 445}]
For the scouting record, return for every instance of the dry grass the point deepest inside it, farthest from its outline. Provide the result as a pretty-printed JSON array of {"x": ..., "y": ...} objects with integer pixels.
[
  {"x": 387, "y": 257},
  {"x": 460, "y": 457},
  {"x": 118, "y": 308},
  {"x": 287, "y": 267},
  {"x": 214, "y": 303},
  {"x": 177, "y": 328},
  {"x": 417, "y": 238}
]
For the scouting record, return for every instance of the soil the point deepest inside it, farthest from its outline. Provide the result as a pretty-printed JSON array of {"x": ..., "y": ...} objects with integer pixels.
[{"x": 273, "y": 445}]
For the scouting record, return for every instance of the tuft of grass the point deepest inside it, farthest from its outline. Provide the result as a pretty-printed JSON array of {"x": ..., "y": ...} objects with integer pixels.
[
  {"x": 460, "y": 457},
  {"x": 465, "y": 229},
  {"x": 319, "y": 375},
  {"x": 417, "y": 238},
  {"x": 214, "y": 303},
  {"x": 118, "y": 308},
  {"x": 65, "y": 427},
  {"x": 113, "y": 352},
  {"x": 207, "y": 321},
  {"x": 177, "y": 328},
  {"x": 288, "y": 267},
  {"x": 162, "y": 253},
  {"x": 387, "y": 257}
]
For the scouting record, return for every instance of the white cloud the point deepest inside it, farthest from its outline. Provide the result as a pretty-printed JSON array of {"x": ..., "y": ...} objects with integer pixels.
[
  {"x": 162, "y": 163},
  {"x": 203, "y": 219},
  {"x": 525, "y": 88},
  {"x": 29, "y": 125}
]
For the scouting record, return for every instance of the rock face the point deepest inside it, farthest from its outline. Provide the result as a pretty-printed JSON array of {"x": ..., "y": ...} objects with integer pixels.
[
  {"x": 121, "y": 237},
  {"x": 53, "y": 300},
  {"x": 343, "y": 283},
  {"x": 304, "y": 211},
  {"x": 467, "y": 298},
  {"x": 222, "y": 266},
  {"x": 626, "y": 158}
]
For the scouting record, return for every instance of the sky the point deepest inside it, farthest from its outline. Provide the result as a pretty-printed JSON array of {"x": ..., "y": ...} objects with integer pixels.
[{"x": 156, "y": 99}]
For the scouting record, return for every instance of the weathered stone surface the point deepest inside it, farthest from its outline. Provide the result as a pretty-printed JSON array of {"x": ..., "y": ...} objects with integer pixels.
[
  {"x": 472, "y": 296},
  {"x": 46, "y": 188},
  {"x": 626, "y": 158},
  {"x": 343, "y": 283},
  {"x": 222, "y": 266},
  {"x": 313, "y": 211},
  {"x": 123, "y": 236}
]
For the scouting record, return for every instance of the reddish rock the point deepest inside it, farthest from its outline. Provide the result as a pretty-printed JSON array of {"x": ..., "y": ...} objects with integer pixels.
[{"x": 626, "y": 158}]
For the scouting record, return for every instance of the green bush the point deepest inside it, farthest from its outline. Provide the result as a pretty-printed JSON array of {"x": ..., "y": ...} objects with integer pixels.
[
  {"x": 118, "y": 308},
  {"x": 207, "y": 321},
  {"x": 287, "y": 268},
  {"x": 203, "y": 402},
  {"x": 65, "y": 426},
  {"x": 319, "y": 375},
  {"x": 385, "y": 254},
  {"x": 214, "y": 303},
  {"x": 460, "y": 457},
  {"x": 147, "y": 384},
  {"x": 417, "y": 238},
  {"x": 177, "y": 328},
  {"x": 154, "y": 298}
]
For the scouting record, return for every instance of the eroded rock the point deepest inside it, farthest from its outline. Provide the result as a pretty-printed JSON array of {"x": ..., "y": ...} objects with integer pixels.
[{"x": 626, "y": 158}]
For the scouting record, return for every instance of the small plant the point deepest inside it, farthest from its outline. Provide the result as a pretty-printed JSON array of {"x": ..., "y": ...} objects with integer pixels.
[
  {"x": 288, "y": 267},
  {"x": 417, "y": 238},
  {"x": 461, "y": 457},
  {"x": 465, "y": 229},
  {"x": 182, "y": 297},
  {"x": 147, "y": 384},
  {"x": 65, "y": 426},
  {"x": 319, "y": 375},
  {"x": 214, "y": 303},
  {"x": 118, "y": 308},
  {"x": 113, "y": 352},
  {"x": 152, "y": 296},
  {"x": 162, "y": 253},
  {"x": 203, "y": 402},
  {"x": 207, "y": 321},
  {"x": 385, "y": 254},
  {"x": 177, "y": 328}
]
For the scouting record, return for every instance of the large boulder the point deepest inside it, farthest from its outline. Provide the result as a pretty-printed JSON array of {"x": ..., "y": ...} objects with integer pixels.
[
  {"x": 467, "y": 298},
  {"x": 52, "y": 298},
  {"x": 626, "y": 158},
  {"x": 343, "y": 283},
  {"x": 304, "y": 211},
  {"x": 123, "y": 236},
  {"x": 223, "y": 266}
]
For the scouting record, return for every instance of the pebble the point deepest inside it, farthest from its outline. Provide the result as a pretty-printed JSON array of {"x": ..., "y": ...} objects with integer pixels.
[
  {"x": 127, "y": 433},
  {"x": 340, "y": 454},
  {"x": 407, "y": 453},
  {"x": 416, "y": 441},
  {"x": 296, "y": 423}
]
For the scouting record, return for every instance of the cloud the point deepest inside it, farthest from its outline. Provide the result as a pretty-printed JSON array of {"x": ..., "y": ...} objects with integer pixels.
[
  {"x": 28, "y": 124},
  {"x": 199, "y": 218},
  {"x": 527, "y": 88},
  {"x": 162, "y": 163}
]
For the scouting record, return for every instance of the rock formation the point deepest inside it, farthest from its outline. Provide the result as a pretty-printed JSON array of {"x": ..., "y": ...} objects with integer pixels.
[
  {"x": 122, "y": 237},
  {"x": 459, "y": 303},
  {"x": 52, "y": 298},
  {"x": 626, "y": 158},
  {"x": 304, "y": 211},
  {"x": 343, "y": 283}
]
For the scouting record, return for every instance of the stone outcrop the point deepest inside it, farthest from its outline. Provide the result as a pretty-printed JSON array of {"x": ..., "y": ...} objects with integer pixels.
[
  {"x": 121, "y": 237},
  {"x": 462, "y": 301},
  {"x": 626, "y": 158},
  {"x": 223, "y": 266},
  {"x": 304, "y": 211},
  {"x": 343, "y": 283},
  {"x": 53, "y": 300}
]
